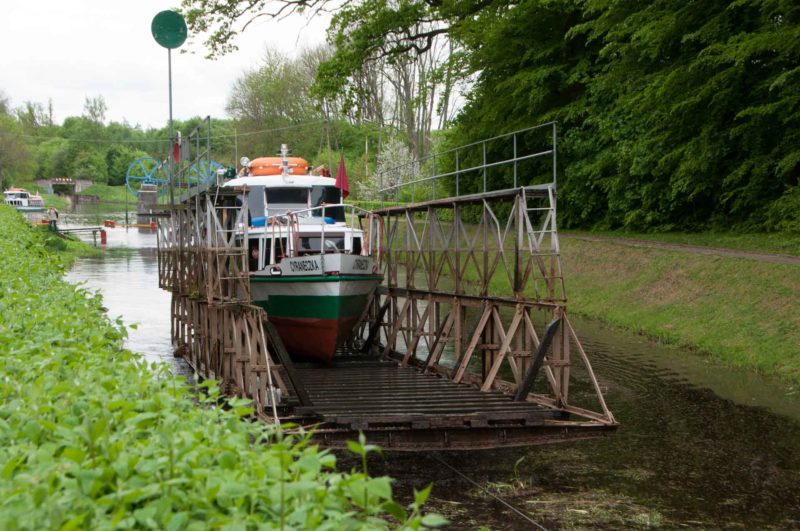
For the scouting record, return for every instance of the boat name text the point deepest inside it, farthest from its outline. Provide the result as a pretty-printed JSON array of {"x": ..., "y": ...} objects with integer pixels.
[
  {"x": 362, "y": 264},
  {"x": 304, "y": 265}
]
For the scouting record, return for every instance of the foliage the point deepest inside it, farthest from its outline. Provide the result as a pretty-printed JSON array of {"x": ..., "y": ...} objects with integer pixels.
[
  {"x": 274, "y": 100},
  {"x": 673, "y": 114},
  {"x": 221, "y": 20},
  {"x": 393, "y": 161},
  {"x": 85, "y": 147},
  {"x": 92, "y": 437},
  {"x": 14, "y": 159},
  {"x": 90, "y": 165},
  {"x": 118, "y": 158}
]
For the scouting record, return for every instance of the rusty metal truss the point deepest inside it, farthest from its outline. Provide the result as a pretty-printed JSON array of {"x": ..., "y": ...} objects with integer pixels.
[
  {"x": 466, "y": 344},
  {"x": 482, "y": 303}
]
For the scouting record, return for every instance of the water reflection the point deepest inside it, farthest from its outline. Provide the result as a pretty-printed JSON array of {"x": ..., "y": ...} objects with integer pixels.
[{"x": 127, "y": 276}]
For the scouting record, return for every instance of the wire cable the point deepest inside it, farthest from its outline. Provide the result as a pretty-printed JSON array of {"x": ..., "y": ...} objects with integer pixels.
[
  {"x": 490, "y": 493},
  {"x": 166, "y": 140}
]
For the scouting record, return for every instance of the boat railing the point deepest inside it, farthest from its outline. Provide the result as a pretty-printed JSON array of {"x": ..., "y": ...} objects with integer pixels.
[{"x": 290, "y": 224}]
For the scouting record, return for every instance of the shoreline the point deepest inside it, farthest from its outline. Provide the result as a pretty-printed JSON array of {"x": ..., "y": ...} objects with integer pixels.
[{"x": 736, "y": 310}]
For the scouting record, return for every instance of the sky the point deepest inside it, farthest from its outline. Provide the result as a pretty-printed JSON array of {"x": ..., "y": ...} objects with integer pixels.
[{"x": 70, "y": 50}]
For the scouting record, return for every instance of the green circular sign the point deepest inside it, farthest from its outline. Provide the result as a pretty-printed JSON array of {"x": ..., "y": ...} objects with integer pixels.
[{"x": 169, "y": 29}]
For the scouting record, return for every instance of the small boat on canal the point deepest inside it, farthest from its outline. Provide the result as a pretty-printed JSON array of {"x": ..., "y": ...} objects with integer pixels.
[
  {"x": 314, "y": 262},
  {"x": 23, "y": 200}
]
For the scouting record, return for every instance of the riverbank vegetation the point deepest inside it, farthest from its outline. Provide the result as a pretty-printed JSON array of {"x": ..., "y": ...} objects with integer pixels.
[
  {"x": 741, "y": 312},
  {"x": 769, "y": 242},
  {"x": 93, "y": 437}
]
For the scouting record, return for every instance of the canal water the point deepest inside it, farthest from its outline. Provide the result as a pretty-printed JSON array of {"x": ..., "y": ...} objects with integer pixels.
[{"x": 700, "y": 446}]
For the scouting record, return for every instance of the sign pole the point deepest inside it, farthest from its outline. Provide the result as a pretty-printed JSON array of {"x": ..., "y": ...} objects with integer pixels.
[
  {"x": 169, "y": 30},
  {"x": 171, "y": 133}
]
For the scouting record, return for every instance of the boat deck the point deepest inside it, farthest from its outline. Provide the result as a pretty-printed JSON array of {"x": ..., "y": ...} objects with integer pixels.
[{"x": 402, "y": 408}]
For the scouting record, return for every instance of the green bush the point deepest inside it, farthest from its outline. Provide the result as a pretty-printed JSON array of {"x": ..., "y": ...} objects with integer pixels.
[
  {"x": 54, "y": 243},
  {"x": 784, "y": 213},
  {"x": 92, "y": 437}
]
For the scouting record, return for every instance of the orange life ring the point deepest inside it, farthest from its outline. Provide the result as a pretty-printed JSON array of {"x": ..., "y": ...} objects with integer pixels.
[{"x": 272, "y": 166}]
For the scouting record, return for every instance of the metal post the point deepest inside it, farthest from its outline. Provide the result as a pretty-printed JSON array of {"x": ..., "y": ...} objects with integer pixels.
[
  {"x": 515, "y": 160},
  {"x": 433, "y": 174},
  {"x": 554, "y": 153},
  {"x": 483, "y": 145},
  {"x": 457, "y": 174},
  {"x": 126, "y": 207},
  {"x": 171, "y": 133}
]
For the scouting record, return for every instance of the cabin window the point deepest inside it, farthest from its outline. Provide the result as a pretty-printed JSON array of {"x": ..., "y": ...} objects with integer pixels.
[
  {"x": 254, "y": 255},
  {"x": 311, "y": 244},
  {"x": 282, "y": 200},
  {"x": 356, "y": 245},
  {"x": 255, "y": 204},
  {"x": 330, "y": 195}
]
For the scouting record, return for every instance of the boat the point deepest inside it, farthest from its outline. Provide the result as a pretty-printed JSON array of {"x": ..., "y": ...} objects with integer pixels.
[
  {"x": 23, "y": 200},
  {"x": 314, "y": 262}
]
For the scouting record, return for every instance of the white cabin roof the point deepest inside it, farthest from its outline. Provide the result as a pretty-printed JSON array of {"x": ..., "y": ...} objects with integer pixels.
[{"x": 279, "y": 181}]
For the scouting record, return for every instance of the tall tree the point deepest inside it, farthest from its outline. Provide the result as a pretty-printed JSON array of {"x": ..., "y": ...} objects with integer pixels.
[
  {"x": 274, "y": 100},
  {"x": 14, "y": 154}
]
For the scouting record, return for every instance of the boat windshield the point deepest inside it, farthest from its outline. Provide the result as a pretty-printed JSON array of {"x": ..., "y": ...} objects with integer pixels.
[
  {"x": 282, "y": 200},
  {"x": 327, "y": 195}
]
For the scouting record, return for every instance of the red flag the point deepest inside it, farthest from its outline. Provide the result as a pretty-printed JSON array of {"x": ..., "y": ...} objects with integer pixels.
[
  {"x": 341, "y": 179},
  {"x": 176, "y": 151}
]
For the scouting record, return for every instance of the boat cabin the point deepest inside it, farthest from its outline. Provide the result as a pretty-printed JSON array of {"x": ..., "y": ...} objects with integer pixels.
[
  {"x": 297, "y": 215},
  {"x": 21, "y": 198}
]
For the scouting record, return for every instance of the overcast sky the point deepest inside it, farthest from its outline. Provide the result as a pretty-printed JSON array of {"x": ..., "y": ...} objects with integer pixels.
[{"x": 70, "y": 50}]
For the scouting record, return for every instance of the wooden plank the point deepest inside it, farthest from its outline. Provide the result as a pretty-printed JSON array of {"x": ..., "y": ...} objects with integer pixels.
[
  {"x": 512, "y": 329},
  {"x": 288, "y": 366},
  {"x": 476, "y": 336},
  {"x": 527, "y": 383}
]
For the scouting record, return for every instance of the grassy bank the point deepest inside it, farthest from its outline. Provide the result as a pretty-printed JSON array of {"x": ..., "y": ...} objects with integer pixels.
[
  {"x": 109, "y": 194},
  {"x": 742, "y": 312},
  {"x": 92, "y": 437},
  {"x": 766, "y": 242}
]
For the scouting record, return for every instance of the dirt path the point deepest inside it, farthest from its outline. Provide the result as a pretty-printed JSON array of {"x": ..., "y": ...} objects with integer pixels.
[{"x": 696, "y": 249}]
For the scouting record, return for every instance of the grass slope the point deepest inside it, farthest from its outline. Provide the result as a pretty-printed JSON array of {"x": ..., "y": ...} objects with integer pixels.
[
  {"x": 742, "y": 312},
  {"x": 765, "y": 242}
]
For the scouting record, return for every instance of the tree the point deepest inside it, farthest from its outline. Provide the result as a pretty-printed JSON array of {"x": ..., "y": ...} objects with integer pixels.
[
  {"x": 90, "y": 165},
  {"x": 51, "y": 158},
  {"x": 274, "y": 99},
  {"x": 14, "y": 157},
  {"x": 674, "y": 115},
  {"x": 5, "y": 104},
  {"x": 94, "y": 109},
  {"x": 118, "y": 158},
  {"x": 222, "y": 20}
]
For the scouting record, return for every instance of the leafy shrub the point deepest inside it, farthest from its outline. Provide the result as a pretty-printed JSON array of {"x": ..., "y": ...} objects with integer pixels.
[
  {"x": 784, "y": 213},
  {"x": 54, "y": 243},
  {"x": 92, "y": 437}
]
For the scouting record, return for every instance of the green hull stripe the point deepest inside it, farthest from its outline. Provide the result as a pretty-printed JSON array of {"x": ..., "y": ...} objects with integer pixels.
[
  {"x": 311, "y": 278},
  {"x": 314, "y": 307}
]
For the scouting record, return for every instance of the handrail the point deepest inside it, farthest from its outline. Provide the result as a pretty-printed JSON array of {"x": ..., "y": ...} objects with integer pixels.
[
  {"x": 373, "y": 244},
  {"x": 412, "y": 171}
]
